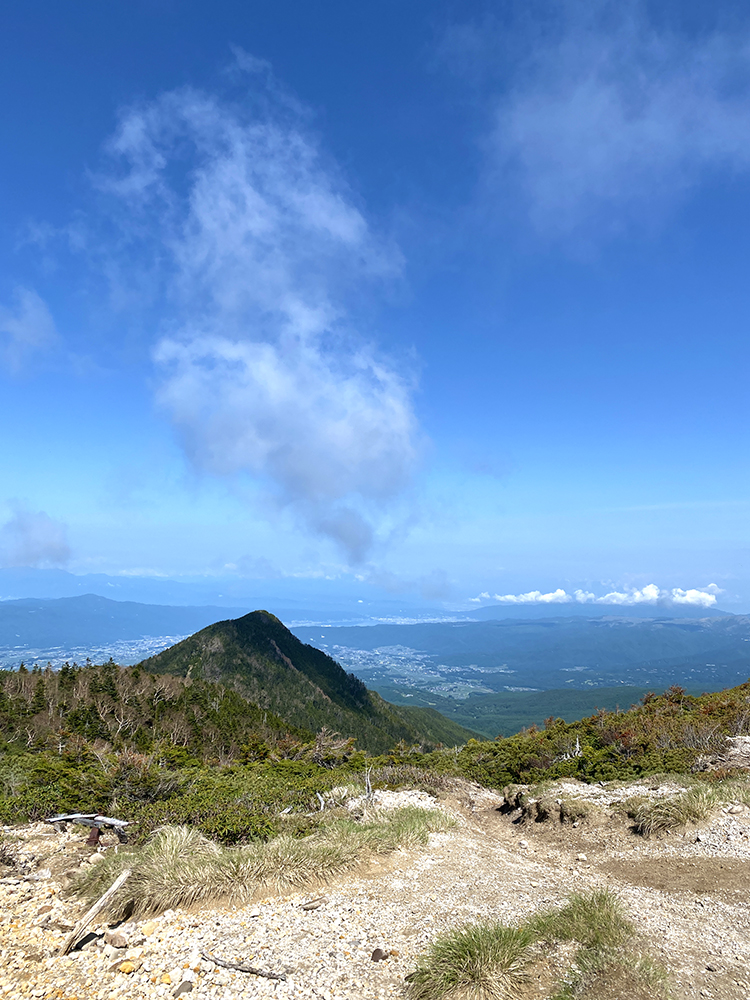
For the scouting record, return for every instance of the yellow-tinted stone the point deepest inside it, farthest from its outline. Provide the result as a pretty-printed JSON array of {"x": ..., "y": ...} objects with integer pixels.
[
  {"x": 166, "y": 979},
  {"x": 127, "y": 967}
]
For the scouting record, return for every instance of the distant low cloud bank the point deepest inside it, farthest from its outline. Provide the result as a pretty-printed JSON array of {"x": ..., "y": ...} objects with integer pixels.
[{"x": 704, "y": 597}]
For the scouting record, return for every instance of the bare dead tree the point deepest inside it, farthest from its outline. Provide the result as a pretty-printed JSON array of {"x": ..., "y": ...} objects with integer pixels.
[{"x": 122, "y": 720}]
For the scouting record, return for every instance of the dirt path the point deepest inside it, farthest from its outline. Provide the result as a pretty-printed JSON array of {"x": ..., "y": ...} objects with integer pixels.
[{"x": 694, "y": 908}]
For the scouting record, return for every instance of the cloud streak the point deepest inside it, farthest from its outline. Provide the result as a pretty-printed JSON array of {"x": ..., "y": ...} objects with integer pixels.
[
  {"x": 33, "y": 538},
  {"x": 607, "y": 119},
  {"x": 259, "y": 247},
  {"x": 25, "y": 329},
  {"x": 702, "y": 597}
]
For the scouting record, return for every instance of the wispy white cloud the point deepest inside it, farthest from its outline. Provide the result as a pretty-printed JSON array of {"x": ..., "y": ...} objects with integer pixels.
[
  {"x": 33, "y": 538},
  {"x": 26, "y": 328},
  {"x": 320, "y": 429},
  {"x": 704, "y": 597},
  {"x": 607, "y": 119},
  {"x": 259, "y": 245}
]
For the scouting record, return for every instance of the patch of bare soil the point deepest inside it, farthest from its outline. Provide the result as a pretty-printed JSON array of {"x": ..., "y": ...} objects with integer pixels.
[{"x": 725, "y": 880}]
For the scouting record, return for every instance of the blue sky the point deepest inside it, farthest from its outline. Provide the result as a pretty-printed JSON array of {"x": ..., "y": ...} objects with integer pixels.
[{"x": 445, "y": 301}]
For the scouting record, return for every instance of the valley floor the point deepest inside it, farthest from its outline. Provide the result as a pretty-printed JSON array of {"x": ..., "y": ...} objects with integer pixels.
[{"x": 689, "y": 895}]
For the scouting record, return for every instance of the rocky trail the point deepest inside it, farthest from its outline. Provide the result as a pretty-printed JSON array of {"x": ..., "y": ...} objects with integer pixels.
[{"x": 359, "y": 936}]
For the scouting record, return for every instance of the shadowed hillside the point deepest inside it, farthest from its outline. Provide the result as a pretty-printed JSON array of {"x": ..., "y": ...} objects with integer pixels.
[{"x": 262, "y": 660}]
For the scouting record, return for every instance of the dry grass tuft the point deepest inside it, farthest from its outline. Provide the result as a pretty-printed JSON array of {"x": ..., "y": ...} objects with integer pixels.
[
  {"x": 662, "y": 815},
  {"x": 180, "y": 867}
]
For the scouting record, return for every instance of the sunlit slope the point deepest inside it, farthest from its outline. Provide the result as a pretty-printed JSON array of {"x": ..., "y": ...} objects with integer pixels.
[{"x": 259, "y": 657}]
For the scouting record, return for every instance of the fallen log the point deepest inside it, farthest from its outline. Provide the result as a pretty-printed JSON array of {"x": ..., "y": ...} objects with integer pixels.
[
  {"x": 241, "y": 967},
  {"x": 95, "y": 821},
  {"x": 77, "y": 933}
]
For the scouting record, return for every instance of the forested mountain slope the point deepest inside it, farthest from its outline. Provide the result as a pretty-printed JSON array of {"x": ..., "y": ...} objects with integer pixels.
[{"x": 258, "y": 657}]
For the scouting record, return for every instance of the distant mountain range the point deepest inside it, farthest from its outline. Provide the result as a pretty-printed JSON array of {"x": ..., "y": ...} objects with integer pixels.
[
  {"x": 293, "y": 598},
  {"x": 89, "y": 619},
  {"x": 77, "y": 621},
  {"x": 487, "y": 675}
]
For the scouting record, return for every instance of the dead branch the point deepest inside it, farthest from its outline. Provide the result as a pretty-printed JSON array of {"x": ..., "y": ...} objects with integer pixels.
[
  {"x": 77, "y": 933},
  {"x": 240, "y": 967}
]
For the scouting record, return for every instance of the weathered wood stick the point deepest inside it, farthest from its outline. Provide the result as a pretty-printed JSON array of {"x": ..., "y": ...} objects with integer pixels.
[
  {"x": 77, "y": 933},
  {"x": 240, "y": 967}
]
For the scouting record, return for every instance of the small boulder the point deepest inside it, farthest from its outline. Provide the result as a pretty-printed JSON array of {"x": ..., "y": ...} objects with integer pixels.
[
  {"x": 314, "y": 904},
  {"x": 116, "y": 939}
]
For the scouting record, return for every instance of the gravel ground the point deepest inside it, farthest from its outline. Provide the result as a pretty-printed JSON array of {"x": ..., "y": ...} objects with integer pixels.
[{"x": 689, "y": 895}]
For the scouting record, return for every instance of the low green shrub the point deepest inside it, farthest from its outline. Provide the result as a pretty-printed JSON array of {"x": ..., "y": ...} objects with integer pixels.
[{"x": 233, "y": 804}]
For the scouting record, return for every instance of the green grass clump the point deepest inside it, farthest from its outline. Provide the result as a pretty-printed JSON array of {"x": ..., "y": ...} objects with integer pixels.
[
  {"x": 610, "y": 956},
  {"x": 595, "y": 920},
  {"x": 573, "y": 810},
  {"x": 600, "y": 975},
  {"x": 661, "y": 815},
  {"x": 690, "y": 806},
  {"x": 490, "y": 961},
  {"x": 484, "y": 961},
  {"x": 181, "y": 867}
]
